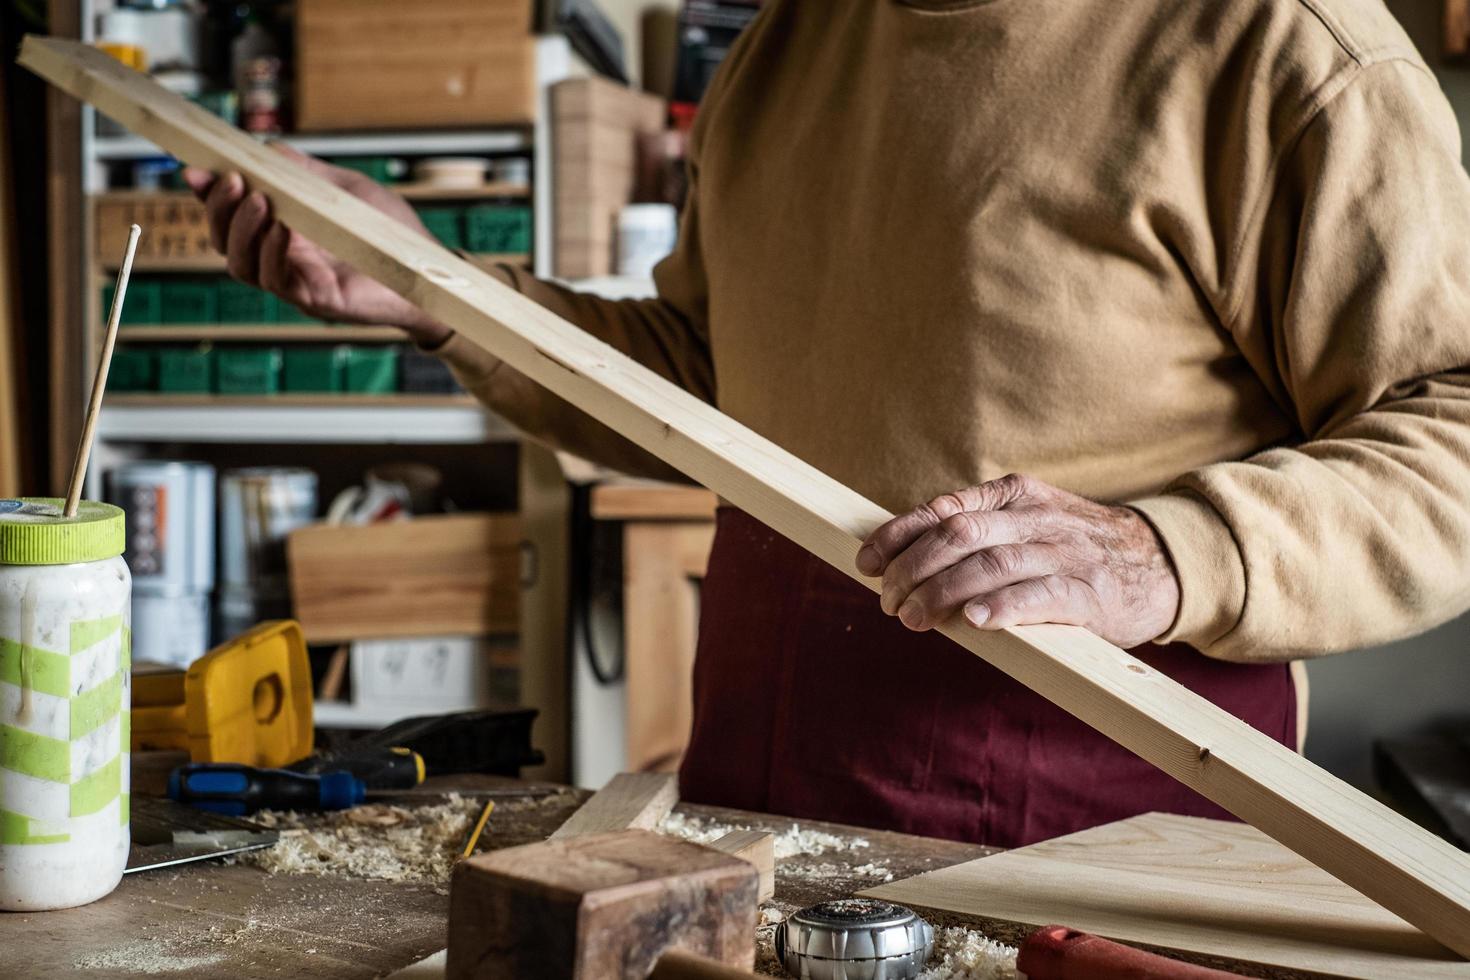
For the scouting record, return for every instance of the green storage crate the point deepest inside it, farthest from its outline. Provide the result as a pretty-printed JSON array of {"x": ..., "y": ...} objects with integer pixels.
[
  {"x": 247, "y": 370},
  {"x": 133, "y": 369},
  {"x": 372, "y": 370},
  {"x": 188, "y": 300},
  {"x": 291, "y": 313},
  {"x": 143, "y": 304},
  {"x": 315, "y": 369},
  {"x": 497, "y": 228},
  {"x": 239, "y": 303},
  {"x": 445, "y": 224},
  {"x": 186, "y": 370}
]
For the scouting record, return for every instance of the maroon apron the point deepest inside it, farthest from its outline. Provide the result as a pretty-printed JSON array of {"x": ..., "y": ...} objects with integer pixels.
[{"x": 810, "y": 702}]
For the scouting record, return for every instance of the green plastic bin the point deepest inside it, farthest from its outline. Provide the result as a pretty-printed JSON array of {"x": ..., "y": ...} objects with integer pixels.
[
  {"x": 189, "y": 301},
  {"x": 186, "y": 370},
  {"x": 497, "y": 228},
  {"x": 142, "y": 306},
  {"x": 239, "y": 303},
  {"x": 133, "y": 369},
  {"x": 247, "y": 370},
  {"x": 372, "y": 370},
  {"x": 315, "y": 370}
]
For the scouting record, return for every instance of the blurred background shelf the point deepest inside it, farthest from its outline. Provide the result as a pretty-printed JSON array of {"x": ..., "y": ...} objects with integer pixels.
[
  {"x": 357, "y": 419},
  {"x": 249, "y": 333},
  {"x": 506, "y": 140}
]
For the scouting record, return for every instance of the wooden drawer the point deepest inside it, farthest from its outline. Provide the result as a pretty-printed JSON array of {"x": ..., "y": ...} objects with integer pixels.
[
  {"x": 452, "y": 574},
  {"x": 377, "y": 64}
]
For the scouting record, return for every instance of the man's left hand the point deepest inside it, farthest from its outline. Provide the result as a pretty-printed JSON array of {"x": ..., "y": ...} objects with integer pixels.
[{"x": 1015, "y": 551}]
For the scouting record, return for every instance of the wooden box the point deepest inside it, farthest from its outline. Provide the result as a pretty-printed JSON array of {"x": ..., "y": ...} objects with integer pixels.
[
  {"x": 595, "y": 127},
  {"x": 174, "y": 225},
  {"x": 379, "y": 64},
  {"x": 429, "y": 576}
]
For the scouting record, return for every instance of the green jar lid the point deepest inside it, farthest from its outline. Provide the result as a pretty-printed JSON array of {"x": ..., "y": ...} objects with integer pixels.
[{"x": 33, "y": 532}]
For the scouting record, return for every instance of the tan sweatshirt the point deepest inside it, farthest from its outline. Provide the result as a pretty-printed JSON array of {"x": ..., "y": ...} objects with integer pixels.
[{"x": 1208, "y": 257}]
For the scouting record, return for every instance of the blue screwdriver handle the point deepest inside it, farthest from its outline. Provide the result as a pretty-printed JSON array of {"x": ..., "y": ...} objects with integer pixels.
[{"x": 235, "y": 790}]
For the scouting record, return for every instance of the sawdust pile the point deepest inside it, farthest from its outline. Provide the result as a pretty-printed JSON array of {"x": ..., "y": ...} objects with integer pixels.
[
  {"x": 964, "y": 954},
  {"x": 376, "y": 841},
  {"x": 144, "y": 956},
  {"x": 794, "y": 842}
]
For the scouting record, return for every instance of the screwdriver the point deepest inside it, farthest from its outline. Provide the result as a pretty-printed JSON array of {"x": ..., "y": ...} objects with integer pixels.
[{"x": 235, "y": 790}]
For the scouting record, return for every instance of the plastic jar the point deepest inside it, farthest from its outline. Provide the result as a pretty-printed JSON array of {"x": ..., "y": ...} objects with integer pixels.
[
  {"x": 64, "y": 693},
  {"x": 647, "y": 233}
]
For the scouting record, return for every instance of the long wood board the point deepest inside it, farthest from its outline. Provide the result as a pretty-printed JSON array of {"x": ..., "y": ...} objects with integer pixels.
[
  {"x": 1189, "y": 885},
  {"x": 1358, "y": 840}
]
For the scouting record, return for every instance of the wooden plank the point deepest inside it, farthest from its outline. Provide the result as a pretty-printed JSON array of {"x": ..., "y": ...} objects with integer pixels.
[
  {"x": 663, "y": 562},
  {"x": 629, "y": 801},
  {"x": 652, "y": 501},
  {"x": 757, "y": 847},
  {"x": 1357, "y": 839},
  {"x": 545, "y": 508},
  {"x": 72, "y": 298},
  {"x": 11, "y": 433},
  {"x": 436, "y": 575},
  {"x": 1188, "y": 885}
]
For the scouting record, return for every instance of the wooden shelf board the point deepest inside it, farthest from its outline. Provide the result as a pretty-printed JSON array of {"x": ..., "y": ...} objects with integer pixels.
[
  {"x": 260, "y": 333},
  {"x": 416, "y": 191},
  {"x": 152, "y": 400},
  {"x": 216, "y": 263}
]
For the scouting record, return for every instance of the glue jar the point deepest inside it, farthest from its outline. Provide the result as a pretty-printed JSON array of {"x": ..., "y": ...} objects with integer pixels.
[{"x": 65, "y": 633}]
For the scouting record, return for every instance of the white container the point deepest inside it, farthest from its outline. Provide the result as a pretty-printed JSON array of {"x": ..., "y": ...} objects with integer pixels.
[
  {"x": 64, "y": 685},
  {"x": 170, "y": 629},
  {"x": 647, "y": 233}
]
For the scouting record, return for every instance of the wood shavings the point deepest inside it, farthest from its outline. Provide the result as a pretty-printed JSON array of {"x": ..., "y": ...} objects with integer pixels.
[
  {"x": 964, "y": 954},
  {"x": 794, "y": 842},
  {"x": 873, "y": 871},
  {"x": 386, "y": 843}
]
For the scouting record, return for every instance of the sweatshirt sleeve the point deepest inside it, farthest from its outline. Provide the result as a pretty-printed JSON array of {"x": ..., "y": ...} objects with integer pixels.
[
  {"x": 668, "y": 334},
  {"x": 1352, "y": 304}
]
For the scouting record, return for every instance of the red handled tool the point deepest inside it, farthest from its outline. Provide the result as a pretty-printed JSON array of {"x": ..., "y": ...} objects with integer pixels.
[{"x": 1059, "y": 953}]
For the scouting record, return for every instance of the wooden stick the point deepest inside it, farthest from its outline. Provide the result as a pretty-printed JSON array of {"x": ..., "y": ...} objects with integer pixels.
[
  {"x": 1360, "y": 841},
  {"x": 629, "y": 801},
  {"x": 99, "y": 382}
]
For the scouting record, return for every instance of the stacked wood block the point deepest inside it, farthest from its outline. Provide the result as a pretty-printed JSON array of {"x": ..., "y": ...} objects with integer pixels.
[{"x": 595, "y": 127}]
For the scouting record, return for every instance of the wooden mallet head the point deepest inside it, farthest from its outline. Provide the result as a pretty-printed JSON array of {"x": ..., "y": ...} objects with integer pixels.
[{"x": 599, "y": 907}]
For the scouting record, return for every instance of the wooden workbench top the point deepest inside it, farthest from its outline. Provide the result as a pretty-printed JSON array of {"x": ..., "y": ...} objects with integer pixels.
[{"x": 209, "y": 920}]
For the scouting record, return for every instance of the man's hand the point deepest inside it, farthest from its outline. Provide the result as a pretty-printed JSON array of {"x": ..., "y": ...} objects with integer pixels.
[
  {"x": 261, "y": 251},
  {"x": 1015, "y": 551}
]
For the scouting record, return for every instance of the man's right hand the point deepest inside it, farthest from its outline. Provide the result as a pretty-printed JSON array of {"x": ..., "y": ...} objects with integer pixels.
[{"x": 261, "y": 251}]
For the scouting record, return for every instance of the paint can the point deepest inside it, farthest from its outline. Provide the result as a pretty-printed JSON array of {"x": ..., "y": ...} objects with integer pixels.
[
  {"x": 169, "y": 508},
  {"x": 259, "y": 507}
]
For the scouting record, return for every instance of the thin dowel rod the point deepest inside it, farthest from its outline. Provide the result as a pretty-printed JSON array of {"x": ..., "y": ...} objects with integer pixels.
[{"x": 99, "y": 383}]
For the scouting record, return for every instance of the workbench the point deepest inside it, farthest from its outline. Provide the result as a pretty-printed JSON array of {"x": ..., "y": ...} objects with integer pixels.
[{"x": 233, "y": 922}]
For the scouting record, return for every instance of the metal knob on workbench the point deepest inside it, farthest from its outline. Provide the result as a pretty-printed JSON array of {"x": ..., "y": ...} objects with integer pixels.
[{"x": 854, "y": 939}]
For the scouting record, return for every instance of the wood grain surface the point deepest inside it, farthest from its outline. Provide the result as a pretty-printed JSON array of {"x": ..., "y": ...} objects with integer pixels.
[
  {"x": 1187, "y": 884},
  {"x": 1362, "y": 842}
]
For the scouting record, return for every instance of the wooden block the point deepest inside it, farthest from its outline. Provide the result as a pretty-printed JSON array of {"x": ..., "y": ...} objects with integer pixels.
[
  {"x": 1184, "y": 885},
  {"x": 1354, "y": 837},
  {"x": 630, "y": 800},
  {"x": 379, "y": 63},
  {"x": 595, "y": 127},
  {"x": 598, "y": 907},
  {"x": 651, "y": 501},
  {"x": 175, "y": 226},
  {"x": 437, "y": 575},
  {"x": 759, "y": 849}
]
